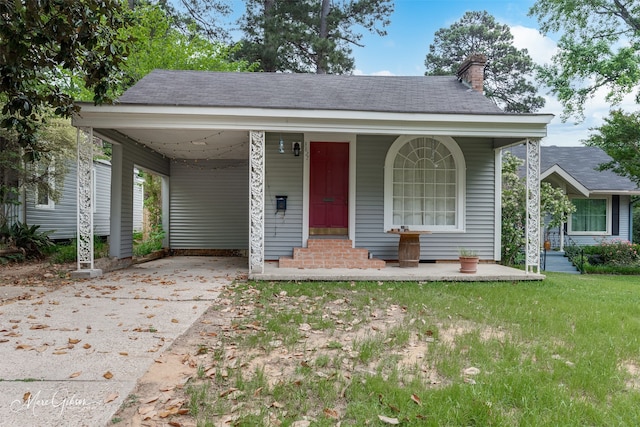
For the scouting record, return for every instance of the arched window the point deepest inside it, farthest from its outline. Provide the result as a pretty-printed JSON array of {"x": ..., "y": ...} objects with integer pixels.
[{"x": 424, "y": 184}]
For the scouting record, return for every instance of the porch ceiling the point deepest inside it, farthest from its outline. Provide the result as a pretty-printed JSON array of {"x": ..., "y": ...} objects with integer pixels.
[{"x": 187, "y": 144}]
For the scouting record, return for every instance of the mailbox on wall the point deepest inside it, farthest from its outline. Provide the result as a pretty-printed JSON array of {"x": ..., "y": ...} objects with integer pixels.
[{"x": 281, "y": 204}]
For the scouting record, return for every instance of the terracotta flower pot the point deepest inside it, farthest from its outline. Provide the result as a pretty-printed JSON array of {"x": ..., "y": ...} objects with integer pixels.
[{"x": 468, "y": 264}]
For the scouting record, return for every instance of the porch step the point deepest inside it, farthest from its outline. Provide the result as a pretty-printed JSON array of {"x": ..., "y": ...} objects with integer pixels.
[
  {"x": 557, "y": 262},
  {"x": 330, "y": 253}
]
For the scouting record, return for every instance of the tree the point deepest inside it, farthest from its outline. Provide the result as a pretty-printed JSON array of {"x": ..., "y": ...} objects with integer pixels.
[
  {"x": 597, "y": 50},
  {"x": 508, "y": 68},
  {"x": 45, "y": 43},
  {"x": 554, "y": 205},
  {"x": 309, "y": 35},
  {"x": 619, "y": 137},
  {"x": 157, "y": 43},
  {"x": 46, "y": 176}
]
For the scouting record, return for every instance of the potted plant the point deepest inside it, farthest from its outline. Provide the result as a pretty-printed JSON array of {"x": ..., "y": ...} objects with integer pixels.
[{"x": 468, "y": 260}]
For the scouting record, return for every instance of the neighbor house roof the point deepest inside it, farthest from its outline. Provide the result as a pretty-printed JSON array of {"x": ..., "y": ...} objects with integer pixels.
[
  {"x": 396, "y": 94},
  {"x": 581, "y": 165}
]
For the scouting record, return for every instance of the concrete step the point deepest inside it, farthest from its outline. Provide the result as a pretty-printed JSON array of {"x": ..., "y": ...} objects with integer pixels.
[{"x": 557, "y": 262}]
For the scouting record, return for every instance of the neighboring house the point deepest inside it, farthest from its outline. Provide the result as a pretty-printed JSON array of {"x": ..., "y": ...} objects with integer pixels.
[
  {"x": 60, "y": 218},
  {"x": 265, "y": 163},
  {"x": 603, "y": 199}
]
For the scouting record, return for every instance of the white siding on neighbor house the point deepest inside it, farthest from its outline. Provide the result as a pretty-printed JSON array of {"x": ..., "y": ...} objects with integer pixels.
[
  {"x": 61, "y": 220},
  {"x": 624, "y": 234},
  {"x": 102, "y": 211},
  {"x": 480, "y": 203},
  {"x": 283, "y": 177},
  {"x": 138, "y": 203},
  {"x": 209, "y": 204}
]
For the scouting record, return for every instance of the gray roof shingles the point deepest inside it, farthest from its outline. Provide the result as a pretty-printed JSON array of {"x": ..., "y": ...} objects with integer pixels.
[
  {"x": 394, "y": 94},
  {"x": 582, "y": 164}
]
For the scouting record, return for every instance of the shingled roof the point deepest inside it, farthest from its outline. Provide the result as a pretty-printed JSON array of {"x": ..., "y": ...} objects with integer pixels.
[
  {"x": 582, "y": 164},
  {"x": 393, "y": 94}
]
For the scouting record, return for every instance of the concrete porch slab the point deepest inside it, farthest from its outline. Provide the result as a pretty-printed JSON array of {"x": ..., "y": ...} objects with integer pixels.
[{"x": 427, "y": 272}]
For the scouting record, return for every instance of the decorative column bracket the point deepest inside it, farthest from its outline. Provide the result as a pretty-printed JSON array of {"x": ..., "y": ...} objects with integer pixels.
[
  {"x": 85, "y": 205},
  {"x": 256, "y": 201},
  {"x": 533, "y": 206}
]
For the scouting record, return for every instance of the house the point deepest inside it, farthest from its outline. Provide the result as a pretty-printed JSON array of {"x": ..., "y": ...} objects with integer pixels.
[
  {"x": 603, "y": 199},
  {"x": 59, "y": 218},
  {"x": 272, "y": 164}
]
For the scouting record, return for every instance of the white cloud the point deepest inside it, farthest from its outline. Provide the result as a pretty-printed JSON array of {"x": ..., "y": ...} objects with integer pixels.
[
  {"x": 540, "y": 48},
  {"x": 358, "y": 72}
]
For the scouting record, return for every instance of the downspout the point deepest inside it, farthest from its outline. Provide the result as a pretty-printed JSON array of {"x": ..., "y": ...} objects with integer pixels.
[{"x": 634, "y": 200}]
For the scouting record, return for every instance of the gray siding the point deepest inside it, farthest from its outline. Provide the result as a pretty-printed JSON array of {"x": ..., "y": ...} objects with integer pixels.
[
  {"x": 62, "y": 218},
  {"x": 283, "y": 231},
  {"x": 371, "y": 152},
  {"x": 480, "y": 204},
  {"x": 209, "y": 204}
]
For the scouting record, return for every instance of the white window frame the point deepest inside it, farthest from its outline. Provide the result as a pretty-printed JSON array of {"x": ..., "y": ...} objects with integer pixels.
[
  {"x": 460, "y": 164},
  {"x": 607, "y": 232},
  {"x": 51, "y": 204}
]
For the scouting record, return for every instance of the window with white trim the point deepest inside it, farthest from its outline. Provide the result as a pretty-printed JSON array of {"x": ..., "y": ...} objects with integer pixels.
[
  {"x": 591, "y": 216},
  {"x": 424, "y": 184},
  {"x": 46, "y": 184}
]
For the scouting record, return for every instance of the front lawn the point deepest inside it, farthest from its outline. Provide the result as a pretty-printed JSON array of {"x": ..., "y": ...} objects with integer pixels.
[{"x": 565, "y": 351}]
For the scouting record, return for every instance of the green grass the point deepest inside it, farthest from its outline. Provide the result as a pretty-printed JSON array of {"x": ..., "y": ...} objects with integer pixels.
[{"x": 564, "y": 351}]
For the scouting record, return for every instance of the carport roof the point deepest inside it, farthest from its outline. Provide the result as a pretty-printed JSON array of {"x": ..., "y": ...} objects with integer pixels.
[{"x": 394, "y": 94}]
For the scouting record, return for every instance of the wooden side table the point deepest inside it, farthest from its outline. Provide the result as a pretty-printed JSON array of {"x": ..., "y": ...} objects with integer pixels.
[{"x": 408, "y": 247}]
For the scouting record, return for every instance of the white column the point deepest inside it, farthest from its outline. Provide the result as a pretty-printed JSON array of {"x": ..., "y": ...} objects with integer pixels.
[
  {"x": 256, "y": 202},
  {"x": 85, "y": 203},
  {"x": 533, "y": 206}
]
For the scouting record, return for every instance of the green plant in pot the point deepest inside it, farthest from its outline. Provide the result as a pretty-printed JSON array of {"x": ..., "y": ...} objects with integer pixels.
[{"x": 468, "y": 260}]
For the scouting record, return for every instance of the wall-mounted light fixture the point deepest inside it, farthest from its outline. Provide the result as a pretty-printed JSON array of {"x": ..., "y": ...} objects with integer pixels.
[
  {"x": 296, "y": 149},
  {"x": 281, "y": 146}
]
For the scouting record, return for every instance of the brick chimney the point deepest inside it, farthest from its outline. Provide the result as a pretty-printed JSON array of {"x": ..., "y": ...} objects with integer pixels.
[{"x": 471, "y": 71}]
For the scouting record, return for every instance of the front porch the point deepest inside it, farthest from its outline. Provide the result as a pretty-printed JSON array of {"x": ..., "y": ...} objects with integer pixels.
[{"x": 425, "y": 272}]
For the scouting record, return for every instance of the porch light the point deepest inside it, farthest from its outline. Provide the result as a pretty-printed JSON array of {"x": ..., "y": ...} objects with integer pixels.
[
  {"x": 296, "y": 149},
  {"x": 281, "y": 147}
]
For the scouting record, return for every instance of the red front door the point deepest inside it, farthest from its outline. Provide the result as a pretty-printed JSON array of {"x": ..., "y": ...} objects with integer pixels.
[{"x": 329, "y": 188}]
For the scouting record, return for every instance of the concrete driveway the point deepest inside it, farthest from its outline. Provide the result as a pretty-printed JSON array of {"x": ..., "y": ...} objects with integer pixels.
[{"x": 70, "y": 357}]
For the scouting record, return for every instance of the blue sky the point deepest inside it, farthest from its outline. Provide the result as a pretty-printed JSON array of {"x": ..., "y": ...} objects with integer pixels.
[{"x": 403, "y": 50}]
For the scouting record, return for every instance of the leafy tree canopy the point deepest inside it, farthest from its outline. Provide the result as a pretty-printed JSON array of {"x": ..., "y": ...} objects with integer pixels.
[
  {"x": 619, "y": 137},
  {"x": 56, "y": 146},
  {"x": 309, "y": 35},
  {"x": 158, "y": 44},
  {"x": 599, "y": 49},
  {"x": 45, "y": 43},
  {"x": 507, "y": 70}
]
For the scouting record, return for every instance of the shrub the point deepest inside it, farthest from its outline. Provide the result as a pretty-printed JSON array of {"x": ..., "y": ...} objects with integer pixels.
[
  {"x": 619, "y": 252},
  {"x": 152, "y": 244},
  {"x": 34, "y": 243},
  {"x": 68, "y": 251}
]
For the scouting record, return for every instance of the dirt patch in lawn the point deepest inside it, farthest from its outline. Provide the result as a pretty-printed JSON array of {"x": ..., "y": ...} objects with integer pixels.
[{"x": 224, "y": 345}]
